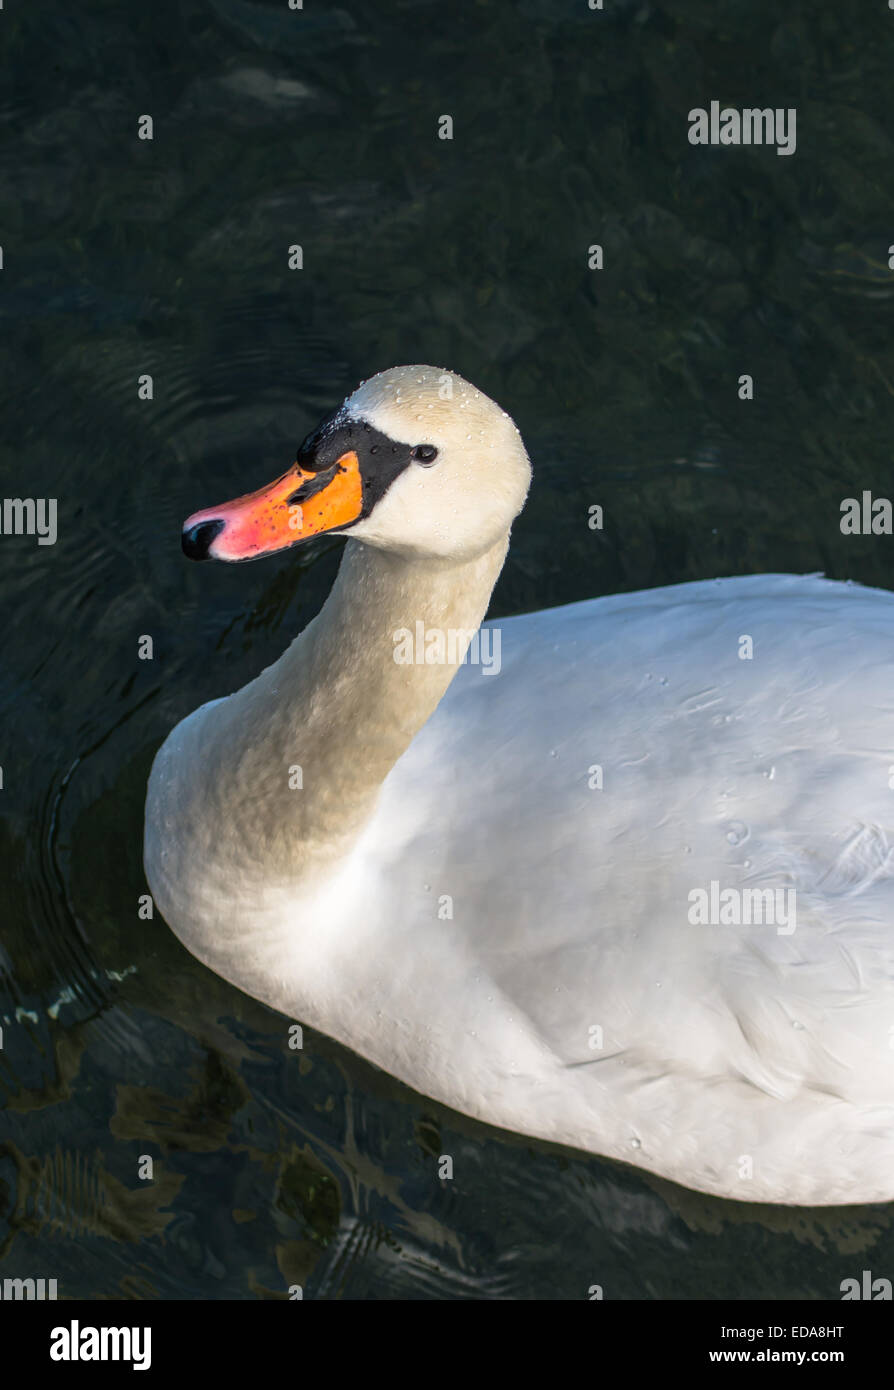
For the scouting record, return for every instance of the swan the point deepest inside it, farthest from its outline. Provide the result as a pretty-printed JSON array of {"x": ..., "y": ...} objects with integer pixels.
[{"x": 621, "y": 879}]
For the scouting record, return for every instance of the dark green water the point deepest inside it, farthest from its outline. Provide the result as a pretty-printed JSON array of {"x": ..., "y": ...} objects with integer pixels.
[{"x": 170, "y": 257}]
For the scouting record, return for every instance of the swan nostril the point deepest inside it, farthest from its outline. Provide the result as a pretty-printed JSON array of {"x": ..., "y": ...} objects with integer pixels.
[{"x": 197, "y": 540}]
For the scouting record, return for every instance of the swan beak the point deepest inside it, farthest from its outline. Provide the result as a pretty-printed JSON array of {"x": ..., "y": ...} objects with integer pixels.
[{"x": 298, "y": 505}]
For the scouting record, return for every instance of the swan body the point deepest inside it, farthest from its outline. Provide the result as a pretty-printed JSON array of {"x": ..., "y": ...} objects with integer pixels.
[{"x": 491, "y": 879}]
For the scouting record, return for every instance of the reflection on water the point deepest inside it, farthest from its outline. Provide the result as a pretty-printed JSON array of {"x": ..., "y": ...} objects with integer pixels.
[{"x": 276, "y": 128}]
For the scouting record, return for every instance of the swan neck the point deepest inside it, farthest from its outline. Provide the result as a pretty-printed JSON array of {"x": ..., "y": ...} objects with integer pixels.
[{"x": 320, "y": 730}]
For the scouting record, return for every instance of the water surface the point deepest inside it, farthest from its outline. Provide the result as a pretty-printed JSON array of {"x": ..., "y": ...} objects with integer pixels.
[{"x": 123, "y": 257}]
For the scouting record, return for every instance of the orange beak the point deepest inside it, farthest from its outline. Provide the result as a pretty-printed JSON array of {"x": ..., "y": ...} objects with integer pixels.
[{"x": 297, "y": 505}]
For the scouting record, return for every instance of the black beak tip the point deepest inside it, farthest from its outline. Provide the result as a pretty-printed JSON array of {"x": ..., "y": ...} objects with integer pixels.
[{"x": 197, "y": 540}]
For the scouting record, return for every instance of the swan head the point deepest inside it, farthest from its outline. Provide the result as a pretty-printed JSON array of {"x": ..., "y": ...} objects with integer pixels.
[{"x": 416, "y": 461}]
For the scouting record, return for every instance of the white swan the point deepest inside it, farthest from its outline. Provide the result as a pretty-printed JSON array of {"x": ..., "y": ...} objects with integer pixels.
[{"x": 458, "y": 893}]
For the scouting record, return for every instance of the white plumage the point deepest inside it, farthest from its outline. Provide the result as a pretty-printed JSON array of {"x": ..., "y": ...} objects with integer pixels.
[{"x": 509, "y": 936}]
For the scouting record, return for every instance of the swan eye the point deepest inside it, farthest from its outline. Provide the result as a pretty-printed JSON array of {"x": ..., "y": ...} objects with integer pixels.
[{"x": 425, "y": 453}]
